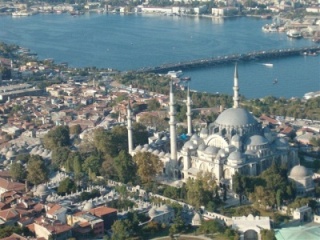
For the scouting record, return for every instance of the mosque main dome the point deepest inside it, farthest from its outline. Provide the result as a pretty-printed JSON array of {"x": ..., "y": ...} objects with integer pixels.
[{"x": 235, "y": 117}]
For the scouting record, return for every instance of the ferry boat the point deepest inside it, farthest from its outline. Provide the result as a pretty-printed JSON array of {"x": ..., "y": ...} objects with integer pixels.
[
  {"x": 293, "y": 33},
  {"x": 175, "y": 74},
  {"x": 22, "y": 14}
]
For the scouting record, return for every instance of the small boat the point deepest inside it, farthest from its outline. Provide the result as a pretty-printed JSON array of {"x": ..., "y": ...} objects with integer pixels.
[
  {"x": 186, "y": 78},
  {"x": 275, "y": 81},
  {"x": 270, "y": 65},
  {"x": 293, "y": 33},
  {"x": 75, "y": 13}
]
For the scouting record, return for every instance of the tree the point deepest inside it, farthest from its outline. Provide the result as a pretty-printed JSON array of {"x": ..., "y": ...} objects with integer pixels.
[
  {"x": 140, "y": 134},
  {"x": 211, "y": 226},
  {"x": 60, "y": 155},
  {"x": 66, "y": 186},
  {"x": 200, "y": 191},
  {"x": 267, "y": 234},
  {"x": 103, "y": 142},
  {"x": 148, "y": 165},
  {"x": 120, "y": 138},
  {"x": 108, "y": 167},
  {"x": 125, "y": 167},
  {"x": 75, "y": 129},
  {"x": 17, "y": 171},
  {"x": 120, "y": 230},
  {"x": 6, "y": 231},
  {"x": 238, "y": 185},
  {"x": 153, "y": 104},
  {"x": 176, "y": 227},
  {"x": 57, "y": 137},
  {"x": 37, "y": 170},
  {"x": 279, "y": 198},
  {"x": 153, "y": 121},
  {"x": 92, "y": 164}
]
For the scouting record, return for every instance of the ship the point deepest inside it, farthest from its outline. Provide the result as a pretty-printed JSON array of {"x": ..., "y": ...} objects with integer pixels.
[
  {"x": 293, "y": 33},
  {"x": 175, "y": 74},
  {"x": 22, "y": 14}
]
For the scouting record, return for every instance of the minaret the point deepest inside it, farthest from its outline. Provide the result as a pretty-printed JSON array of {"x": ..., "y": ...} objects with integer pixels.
[
  {"x": 129, "y": 126},
  {"x": 235, "y": 88},
  {"x": 189, "y": 120},
  {"x": 172, "y": 123}
]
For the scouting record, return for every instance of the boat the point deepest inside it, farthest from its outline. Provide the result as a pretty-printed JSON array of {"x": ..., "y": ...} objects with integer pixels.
[
  {"x": 75, "y": 13},
  {"x": 175, "y": 74},
  {"x": 268, "y": 64},
  {"x": 270, "y": 28},
  {"x": 275, "y": 81},
  {"x": 293, "y": 33},
  {"x": 22, "y": 14},
  {"x": 186, "y": 78}
]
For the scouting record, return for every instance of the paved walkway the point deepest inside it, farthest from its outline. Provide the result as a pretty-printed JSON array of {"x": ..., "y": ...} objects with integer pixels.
[{"x": 182, "y": 237}]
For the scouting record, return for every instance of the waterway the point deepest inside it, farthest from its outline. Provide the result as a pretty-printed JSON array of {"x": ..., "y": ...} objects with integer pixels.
[{"x": 128, "y": 42}]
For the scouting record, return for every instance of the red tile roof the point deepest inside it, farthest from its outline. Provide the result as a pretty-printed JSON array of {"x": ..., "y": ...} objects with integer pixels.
[
  {"x": 102, "y": 211},
  {"x": 53, "y": 209},
  {"x": 9, "y": 214},
  {"x": 11, "y": 186},
  {"x": 268, "y": 119},
  {"x": 56, "y": 227}
]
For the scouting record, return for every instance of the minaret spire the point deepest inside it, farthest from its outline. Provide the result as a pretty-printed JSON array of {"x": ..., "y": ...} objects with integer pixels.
[
  {"x": 235, "y": 88},
  {"x": 189, "y": 120},
  {"x": 172, "y": 123},
  {"x": 129, "y": 126}
]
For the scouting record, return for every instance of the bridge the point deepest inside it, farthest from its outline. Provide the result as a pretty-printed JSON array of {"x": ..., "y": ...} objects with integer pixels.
[{"x": 228, "y": 59}]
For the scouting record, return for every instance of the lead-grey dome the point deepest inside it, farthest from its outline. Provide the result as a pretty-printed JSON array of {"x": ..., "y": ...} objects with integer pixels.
[
  {"x": 299, "y": 172},
  {"x": 211, "y": 150},
  {"x": 202, "y": 147},
  {"x": 236, "y": 158},
  {"x": 236, "y": 117},
  {"x": 88, "y": 206},
  {"x": 236, "y": 138},
  {"x": 257, "y": 140},
  {"x": 189, "y": 145}
]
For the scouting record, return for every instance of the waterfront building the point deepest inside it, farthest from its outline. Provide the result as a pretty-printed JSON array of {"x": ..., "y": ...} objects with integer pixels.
[{"x": 235, "y": 142}]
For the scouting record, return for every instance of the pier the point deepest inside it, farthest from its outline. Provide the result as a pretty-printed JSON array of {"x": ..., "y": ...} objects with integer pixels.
[{"x": 230, "y": 59}]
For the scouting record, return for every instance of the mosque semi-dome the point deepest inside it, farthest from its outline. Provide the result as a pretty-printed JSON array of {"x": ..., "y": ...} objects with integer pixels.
[
  {"x": 299, "y": 172},
  {"x": 211, "y": 150},
  {"x": 236, "y": 158},
  {"x": 189, "y": 145},
  {"x": 202, "y": 147},
  {"x": 235, "y": 138},
  {"x": 257, "y": 140},
  {"x": 236, "y": 117}
]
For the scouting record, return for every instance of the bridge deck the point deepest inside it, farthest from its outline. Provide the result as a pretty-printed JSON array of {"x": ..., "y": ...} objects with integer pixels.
[{"x": 227, "y": 59}]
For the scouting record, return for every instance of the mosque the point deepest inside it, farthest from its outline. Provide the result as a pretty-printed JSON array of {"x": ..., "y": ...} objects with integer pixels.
[{"x": 235, "y": 142}]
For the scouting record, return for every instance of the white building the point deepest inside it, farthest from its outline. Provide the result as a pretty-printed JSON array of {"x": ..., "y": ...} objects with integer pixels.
[{"x": 250, "y": 227}]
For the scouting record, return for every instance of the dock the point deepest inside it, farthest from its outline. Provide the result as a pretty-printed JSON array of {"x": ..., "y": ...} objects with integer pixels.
[{"x": 230, "y": 59}]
